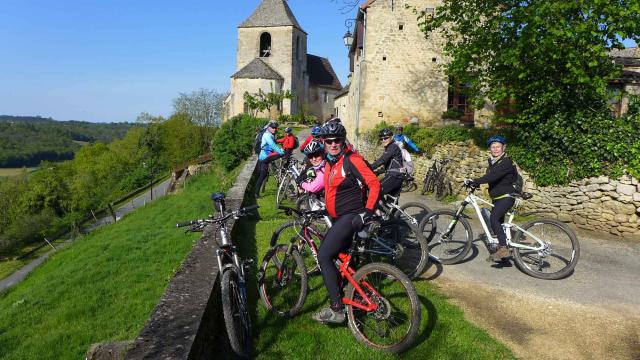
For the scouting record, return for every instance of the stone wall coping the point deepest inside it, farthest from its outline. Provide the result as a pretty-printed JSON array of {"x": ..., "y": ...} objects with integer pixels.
[{"x": 173, "y": 327}]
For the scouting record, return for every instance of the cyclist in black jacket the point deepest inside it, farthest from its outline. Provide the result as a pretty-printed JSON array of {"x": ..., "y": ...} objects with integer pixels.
[
  {"x": 501, "y": 176},
  {"x": 392, "y": 161}
]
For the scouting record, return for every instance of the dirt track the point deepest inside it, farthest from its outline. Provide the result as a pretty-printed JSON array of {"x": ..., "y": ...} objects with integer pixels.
[{"x": 538, "y": 328}]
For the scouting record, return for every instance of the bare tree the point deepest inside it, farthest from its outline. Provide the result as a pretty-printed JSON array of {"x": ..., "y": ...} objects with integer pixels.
[
  {"x": 347, "y": 5},
  {"x": 203, "y": 106}
]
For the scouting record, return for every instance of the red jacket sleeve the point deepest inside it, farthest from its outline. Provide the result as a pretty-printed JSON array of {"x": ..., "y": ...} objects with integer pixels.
[
  {"x": 306, "y": 142},
  {"x": 370, "y": 179}
]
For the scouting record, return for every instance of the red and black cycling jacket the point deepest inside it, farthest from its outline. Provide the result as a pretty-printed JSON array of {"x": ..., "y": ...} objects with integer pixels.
[{"x": 343, "y": 194}]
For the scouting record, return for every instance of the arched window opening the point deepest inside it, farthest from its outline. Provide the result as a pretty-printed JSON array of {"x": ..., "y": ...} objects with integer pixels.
[
  {"x": 265, "y": 45},
  {"x": 298, "y": 47}
]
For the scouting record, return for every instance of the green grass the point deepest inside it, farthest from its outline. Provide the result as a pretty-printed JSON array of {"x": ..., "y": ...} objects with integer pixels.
[
  {"x": 11, "y": 262},
  {"x": 444, "y": 333},
  {"x": 14, "y": 171},
  {"x": 104, "y": 286}
]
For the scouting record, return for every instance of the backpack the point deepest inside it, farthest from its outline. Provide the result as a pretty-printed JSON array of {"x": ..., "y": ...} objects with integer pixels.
[
  {"x": 296, "y": 142},
  {"x": 518, "y": 185},
  {"x": 257, "y": 145},
  {"x": 407, "y": 162},
  {"x": 348, "y": 172}
]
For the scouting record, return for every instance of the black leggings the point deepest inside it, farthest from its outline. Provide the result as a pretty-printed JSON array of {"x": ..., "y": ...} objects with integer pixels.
[
  {"x": 500, "y": 208},
  {"x": 264, "y": 171},
  {"x": 338, "y": 239},
  {"x": 390, "y": 185}
]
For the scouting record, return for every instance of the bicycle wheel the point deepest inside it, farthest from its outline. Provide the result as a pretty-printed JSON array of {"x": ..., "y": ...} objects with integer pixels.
[
  {"x": 413, "y": 212},
  {"x": 408, "y": 186},
  {"x": 397, "y": 243},
  {"x": 449, "y": 241},
  {"x": 393, "y": 325},
  {"x": 282, "y": 188},
  {"x": 560, "y": 253},
  {"x": 236, "y": 314},
  {"x": 283, "y": 281},
  {"x": 427, "y": 186},
  {"x": 292, "y": 232},
  {"x": 442, "y": 186}
]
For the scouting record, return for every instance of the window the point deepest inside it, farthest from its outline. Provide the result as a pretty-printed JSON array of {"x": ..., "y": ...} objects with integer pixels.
[
  {"x": 401, "y": 26},
  {"x": 298, "y": 47},
  {"x": 325, "y": 97},
  {"x": 384, "y": 58},
  {"x": 265, "y": 45}
]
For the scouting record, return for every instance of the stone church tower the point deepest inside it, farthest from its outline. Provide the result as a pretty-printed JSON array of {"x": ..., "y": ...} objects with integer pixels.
[{"x": 272, "y": 57}]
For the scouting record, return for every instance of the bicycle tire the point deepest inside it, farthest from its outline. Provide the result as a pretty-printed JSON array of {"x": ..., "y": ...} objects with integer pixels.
[
  {"x": 570, "y": 247},
  {"x": 421, "y": 214},
  {"x": 398, "y": 243},
  {"x": 273, "y": 286},
  {"x": 282, "y": 188},
  {"x": 396, "y": 286},
  {"x": 408, "y": 186},
  {"x": 440, "y": 248},
  {"x": 427, "y": 186},
  {"x": 442, "y": 186},
  {"x": 236, "y": 315}
]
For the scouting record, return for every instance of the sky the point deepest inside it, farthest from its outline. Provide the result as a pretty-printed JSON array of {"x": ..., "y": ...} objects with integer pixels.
[{"x": 110, "y": 60}]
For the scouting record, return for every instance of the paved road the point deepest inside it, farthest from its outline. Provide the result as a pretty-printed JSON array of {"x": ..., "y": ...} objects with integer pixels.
[
  {"x": 593, "y": 314},
  {"x": 159, "y": 190}
]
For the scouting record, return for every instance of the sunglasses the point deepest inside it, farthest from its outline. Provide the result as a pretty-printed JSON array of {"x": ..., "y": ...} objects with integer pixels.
[
  {"x": 315, "y": 155},
  {"x": 332, "y": 141},
  {"x": 385, "y": 138}
]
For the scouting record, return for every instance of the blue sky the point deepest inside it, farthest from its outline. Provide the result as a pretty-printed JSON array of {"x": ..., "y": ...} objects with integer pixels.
[{"x": 109, "y": 60}]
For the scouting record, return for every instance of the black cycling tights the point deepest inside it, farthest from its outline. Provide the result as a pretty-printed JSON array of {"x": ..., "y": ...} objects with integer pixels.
[
  {"x": 264, "y": 171},
  {"x": 500, "y": 208},
  {"x": 338, "y": 239},
  {"x": 390, "y": 185}
]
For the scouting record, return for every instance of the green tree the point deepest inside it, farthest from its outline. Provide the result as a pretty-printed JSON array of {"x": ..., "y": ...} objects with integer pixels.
[
  {"x": 262, "y": 101},
  {"x": 549, "y": 56}
]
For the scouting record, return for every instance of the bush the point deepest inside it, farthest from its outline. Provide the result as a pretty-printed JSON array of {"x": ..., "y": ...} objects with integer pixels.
[
  {"x": 452, "y": 114},
  {"x": 234, "y": 140}
]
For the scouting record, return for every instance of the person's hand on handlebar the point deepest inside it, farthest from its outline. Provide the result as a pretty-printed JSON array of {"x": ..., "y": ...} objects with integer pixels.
[{"x": 471, "y": 183}]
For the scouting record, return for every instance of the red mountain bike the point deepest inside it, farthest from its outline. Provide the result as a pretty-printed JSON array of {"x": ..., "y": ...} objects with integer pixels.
[{"x": 383, "y": 309}]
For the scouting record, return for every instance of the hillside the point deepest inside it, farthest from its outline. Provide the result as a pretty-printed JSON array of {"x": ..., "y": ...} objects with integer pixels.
[{"x": 27, "y": 140}]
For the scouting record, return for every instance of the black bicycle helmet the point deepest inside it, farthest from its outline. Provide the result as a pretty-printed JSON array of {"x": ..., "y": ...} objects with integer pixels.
[
  {"x": 313, "y": 147},
  {"x": 399, "y": 129},
  {"x": 385, "y": 133},
  {"x": 287, "y": 130},
  {"x": 273, "y": 124},
  {"x": 333, "y": 129}
]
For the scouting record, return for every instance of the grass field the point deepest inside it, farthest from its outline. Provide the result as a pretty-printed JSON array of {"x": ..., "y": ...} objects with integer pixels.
[
  {"x": 444, "y": 333},
  {"x": 104, "y": 286},
  {"x": 14, "y": 171}
]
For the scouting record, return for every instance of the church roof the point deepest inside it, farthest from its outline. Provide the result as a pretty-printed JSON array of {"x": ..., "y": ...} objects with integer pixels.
[
  {"x": 271, "y": 13},
  {"x": 321, "y": 72},
  {"x": 257, "y": 69}
]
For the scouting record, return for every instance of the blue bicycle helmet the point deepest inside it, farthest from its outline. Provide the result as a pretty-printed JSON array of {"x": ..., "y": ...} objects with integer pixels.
[
  {"x": 316, "y": 130},
  {"x": 497, "y": 138}
]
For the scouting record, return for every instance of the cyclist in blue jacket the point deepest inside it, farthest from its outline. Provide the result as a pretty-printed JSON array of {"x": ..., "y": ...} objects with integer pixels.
[
  {"x": 269, "y": 151},
  {"x": 402, "y": 139}
]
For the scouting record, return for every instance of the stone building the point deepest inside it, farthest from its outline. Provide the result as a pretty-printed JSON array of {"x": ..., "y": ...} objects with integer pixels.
[
  {"x": 396, "y": 74},
  {"x": 272, "y": 57}
]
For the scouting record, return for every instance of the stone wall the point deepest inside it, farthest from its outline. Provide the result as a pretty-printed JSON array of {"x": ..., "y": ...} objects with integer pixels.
[{"x": 599, "y": 204}]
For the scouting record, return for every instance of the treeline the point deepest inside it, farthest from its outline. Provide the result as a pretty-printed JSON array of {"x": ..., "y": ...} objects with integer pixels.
[
  {"x": 58, "y": 195},
  {"x": 26, "y": 140}
]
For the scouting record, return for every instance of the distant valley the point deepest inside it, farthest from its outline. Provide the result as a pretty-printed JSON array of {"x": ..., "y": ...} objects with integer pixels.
[{"x": 28, "y": 140}]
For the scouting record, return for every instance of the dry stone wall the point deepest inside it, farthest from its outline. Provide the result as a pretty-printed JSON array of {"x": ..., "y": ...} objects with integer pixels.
[{"x": 599, "y": 203}]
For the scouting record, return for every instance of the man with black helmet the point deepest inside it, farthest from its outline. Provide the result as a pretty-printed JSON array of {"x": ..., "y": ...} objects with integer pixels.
[
  {"x": 345, "y": 175},
  {"x": 269, "y": 151},
  {"x": 392, "y": 161}
]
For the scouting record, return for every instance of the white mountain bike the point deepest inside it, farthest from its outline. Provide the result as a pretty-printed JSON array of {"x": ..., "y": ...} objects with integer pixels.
[{"x": 544, "y": 248}]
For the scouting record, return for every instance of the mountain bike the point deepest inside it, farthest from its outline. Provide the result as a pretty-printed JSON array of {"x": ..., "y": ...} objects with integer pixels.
[
  {"x": 287, "y": 187},
  {"x": 232, "y": 269},
  {"x": 392, "y": 241},
  {"x": 544, "y": 248},
  {"x": 383, "y": 309},
  {"x": 408, "y": 183},
  {"x": 435, "y": 172}
]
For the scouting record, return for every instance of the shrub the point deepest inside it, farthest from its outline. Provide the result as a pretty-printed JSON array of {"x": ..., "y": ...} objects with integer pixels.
[{"x": 234, "y": 140}]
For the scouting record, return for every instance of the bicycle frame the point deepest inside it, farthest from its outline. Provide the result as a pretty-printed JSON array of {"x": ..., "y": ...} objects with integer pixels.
[
  {"x": 475, "y": 201},
  {"x": 393, "y": 204}
]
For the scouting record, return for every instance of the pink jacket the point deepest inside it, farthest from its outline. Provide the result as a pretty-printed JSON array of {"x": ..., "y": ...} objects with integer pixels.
[{"x": 316, "y": 184}]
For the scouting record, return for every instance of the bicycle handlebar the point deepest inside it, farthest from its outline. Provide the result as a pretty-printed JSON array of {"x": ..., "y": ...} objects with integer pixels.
[
  {"x": 238, "y": 213},
  {"x": 192, "y": 222}
]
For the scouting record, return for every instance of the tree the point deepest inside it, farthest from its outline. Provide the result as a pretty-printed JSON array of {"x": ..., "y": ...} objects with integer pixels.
[
  {"x": 548, "y": 57},
  {"x": 203, "y": 106},
  {"x": 261, "y": 101}
]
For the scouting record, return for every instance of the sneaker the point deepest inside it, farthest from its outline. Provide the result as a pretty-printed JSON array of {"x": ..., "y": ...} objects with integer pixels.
[
  {"x": 328, "y": 315},
  {"x": 500, "y": 254}
]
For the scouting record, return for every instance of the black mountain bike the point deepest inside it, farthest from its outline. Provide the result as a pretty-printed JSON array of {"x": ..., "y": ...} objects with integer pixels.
[
  {"x": 436, "y": 179},
  {"x": 232, "y": 269}
]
